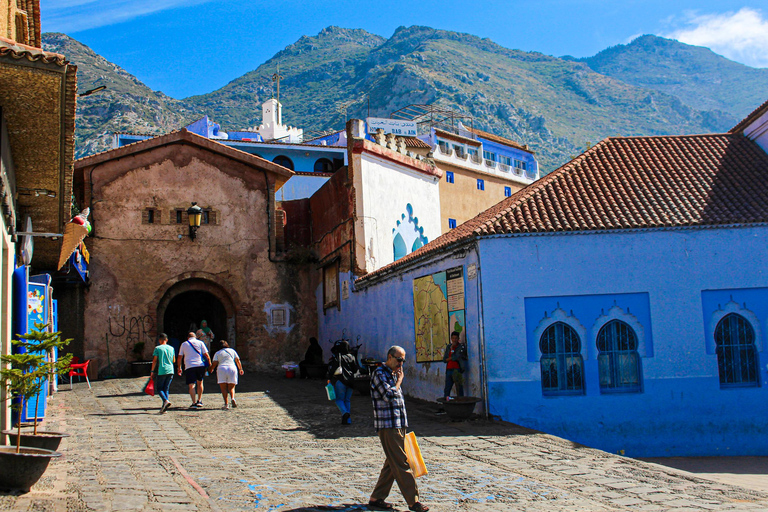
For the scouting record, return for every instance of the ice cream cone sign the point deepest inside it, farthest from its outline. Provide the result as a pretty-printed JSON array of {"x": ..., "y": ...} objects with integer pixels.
[{"x": 74, "y": 233}]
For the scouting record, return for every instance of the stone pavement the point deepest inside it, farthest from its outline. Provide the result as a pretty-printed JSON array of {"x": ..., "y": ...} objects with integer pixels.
[{"x": 284, "y": 449}]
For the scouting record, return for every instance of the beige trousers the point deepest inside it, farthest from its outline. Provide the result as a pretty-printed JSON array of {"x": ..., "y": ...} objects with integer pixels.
[{"x": 395, "y": 468}]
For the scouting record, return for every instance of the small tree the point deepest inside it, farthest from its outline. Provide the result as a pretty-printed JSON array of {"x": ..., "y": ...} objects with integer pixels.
[
  {"x": 33, "y": 366},
  {"x": 22, "y": 380}
]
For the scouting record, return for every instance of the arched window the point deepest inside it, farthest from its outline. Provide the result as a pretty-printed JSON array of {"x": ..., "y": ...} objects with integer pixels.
[
  {"x": 618, "y": 360},
  {"x": 323, "y": 165},
  {"x": 736, "y": 353},
  {"x": 398, "y": 245},
  {"x": 562, "y": 367},
  {"x": 284, "y": 161}
]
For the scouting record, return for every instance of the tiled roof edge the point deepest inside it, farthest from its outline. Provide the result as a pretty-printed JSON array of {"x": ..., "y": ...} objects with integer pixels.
[{"x": 751, "y": 117}]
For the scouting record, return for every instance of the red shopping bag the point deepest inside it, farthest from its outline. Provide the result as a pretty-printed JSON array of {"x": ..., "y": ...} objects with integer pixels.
[{"x": 149, "y": 387}]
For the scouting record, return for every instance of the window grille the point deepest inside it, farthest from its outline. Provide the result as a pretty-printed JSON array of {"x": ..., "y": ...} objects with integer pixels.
[
  {"x": 507, "y": 191},
  {"x": 562, "y": 367},
  {"x": 480, "y": 184},
  {"x": 737, "y": 361},
  {"x": 449, "y": 176},
  {"x": 618, "y": 361}
]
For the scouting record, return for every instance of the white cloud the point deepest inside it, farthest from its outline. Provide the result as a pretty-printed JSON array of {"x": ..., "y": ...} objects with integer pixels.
[
  {"x": 71, "y": 16},
  {"x": 741, "y": 36}
]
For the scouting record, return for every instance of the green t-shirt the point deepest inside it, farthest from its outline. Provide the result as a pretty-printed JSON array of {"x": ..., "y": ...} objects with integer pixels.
[{"x": 165, "y": 356}]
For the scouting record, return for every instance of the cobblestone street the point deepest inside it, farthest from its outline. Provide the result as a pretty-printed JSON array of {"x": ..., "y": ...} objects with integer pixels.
[{"x": 284, "y": 448}]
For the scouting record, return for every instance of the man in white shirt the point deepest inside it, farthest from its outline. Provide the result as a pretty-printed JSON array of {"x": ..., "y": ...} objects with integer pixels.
[{"x": 194, "y": 359}]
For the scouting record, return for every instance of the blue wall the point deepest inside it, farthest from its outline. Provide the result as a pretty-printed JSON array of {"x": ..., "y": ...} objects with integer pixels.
[
  {"x": 383, "y": 316},
  {"x": 672, "y": 282}
]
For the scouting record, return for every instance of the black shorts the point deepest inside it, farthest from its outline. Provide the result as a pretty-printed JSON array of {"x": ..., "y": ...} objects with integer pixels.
[{"x": 194, "y": 374}]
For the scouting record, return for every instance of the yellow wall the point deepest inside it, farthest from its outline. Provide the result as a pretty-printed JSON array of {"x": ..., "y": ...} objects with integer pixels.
[{"x": 462, "y": 201}]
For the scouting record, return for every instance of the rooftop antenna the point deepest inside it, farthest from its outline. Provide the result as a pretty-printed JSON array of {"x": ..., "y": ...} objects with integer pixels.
[{"x": 276, "y": 78}]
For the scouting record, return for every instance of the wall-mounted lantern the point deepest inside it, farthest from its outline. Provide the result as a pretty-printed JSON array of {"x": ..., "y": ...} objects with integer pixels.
[{"x": 195, "y": 215}]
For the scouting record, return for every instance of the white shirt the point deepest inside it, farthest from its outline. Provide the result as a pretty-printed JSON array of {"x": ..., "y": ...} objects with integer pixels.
[
  {"x": 226, "y": 357},
  {"x": 192, "y": 358}
]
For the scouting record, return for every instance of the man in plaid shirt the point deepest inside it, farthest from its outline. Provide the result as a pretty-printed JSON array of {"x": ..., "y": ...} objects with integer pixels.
[{"x": 390, "y": 419}]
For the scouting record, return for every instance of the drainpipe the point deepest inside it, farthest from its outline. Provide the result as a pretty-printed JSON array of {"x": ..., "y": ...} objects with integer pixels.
[{"x": 481, "y": 334}]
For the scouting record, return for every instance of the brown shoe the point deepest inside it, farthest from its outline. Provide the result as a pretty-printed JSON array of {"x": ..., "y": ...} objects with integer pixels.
[{"x": 418, "y": 507}]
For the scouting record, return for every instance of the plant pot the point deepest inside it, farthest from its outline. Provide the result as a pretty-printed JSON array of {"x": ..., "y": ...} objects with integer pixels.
[
  {"x": 459, "y": 408},
  {"x": 141, "y": 368},
  {"x": 43, "y": 439},
  {"x": 22, "y": 470}
]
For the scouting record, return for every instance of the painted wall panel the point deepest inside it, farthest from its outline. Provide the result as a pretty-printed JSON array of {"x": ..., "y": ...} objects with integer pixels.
[
  {"x": 682, "y": 409},
  {"x": 383, "y": 315},
  {"x": 385, "y": 191}
]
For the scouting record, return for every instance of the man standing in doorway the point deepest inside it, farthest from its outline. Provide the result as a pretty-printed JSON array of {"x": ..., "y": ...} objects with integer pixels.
[
  {"x": 194, "y": 359},
  {"x": 390, "y": 419},
  {"x": 455, "y": 356}
]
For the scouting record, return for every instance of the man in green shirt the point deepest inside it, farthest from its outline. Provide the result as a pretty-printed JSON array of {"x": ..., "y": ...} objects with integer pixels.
[{"x": 163, "y": 359}]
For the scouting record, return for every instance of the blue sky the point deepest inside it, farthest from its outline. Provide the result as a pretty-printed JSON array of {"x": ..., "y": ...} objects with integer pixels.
[{"x": 187, "y": 47}]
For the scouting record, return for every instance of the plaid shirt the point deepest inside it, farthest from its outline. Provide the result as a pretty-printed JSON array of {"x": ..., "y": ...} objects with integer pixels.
[{"x": 388, "y": 403}]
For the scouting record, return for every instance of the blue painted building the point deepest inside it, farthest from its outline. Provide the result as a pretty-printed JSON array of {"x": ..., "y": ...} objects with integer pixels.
[{"x": 620, "y": 302}]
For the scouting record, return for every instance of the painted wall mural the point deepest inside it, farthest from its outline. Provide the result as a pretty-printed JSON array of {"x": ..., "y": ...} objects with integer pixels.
[
  {"x": 438, "y": 310},
  {"x": 408, "y": 235}
]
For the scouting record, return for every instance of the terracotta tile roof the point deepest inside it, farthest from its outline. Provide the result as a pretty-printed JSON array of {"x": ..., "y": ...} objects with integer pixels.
[
  {"x": 500, "y": 140},
  {"x": 458, "y": 138},
  {"x": 630, "y": 183},
  {"x": 184, "y": 136},
  {"x": 413, "y": 142},
  {"x": 22, "y": 51},
  {"x": 750, "y": 118}
]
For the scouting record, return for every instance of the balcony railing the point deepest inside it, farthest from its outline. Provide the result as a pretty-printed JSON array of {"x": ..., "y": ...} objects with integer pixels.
[
  {"x": 476, "y": 158},
  {"x": 444, "y": 150},
  {"x": 504, "y": 167},
  {"x": 490, "y": 163}
]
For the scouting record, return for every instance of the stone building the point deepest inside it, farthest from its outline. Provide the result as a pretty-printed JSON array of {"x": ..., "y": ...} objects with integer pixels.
[
  {"x": 148, "y": 275},
  {"x": 37, "y": 123}
]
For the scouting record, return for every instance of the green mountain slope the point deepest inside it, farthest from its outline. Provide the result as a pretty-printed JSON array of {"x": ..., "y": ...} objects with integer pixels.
[
  {"x": 127, "y": 105},
  {"x": 696, "y": 75},
  {"x": 556, "y": 106}
]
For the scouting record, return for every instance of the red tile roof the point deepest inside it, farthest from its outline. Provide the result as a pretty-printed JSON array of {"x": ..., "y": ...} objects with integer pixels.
[
  {"x": 750, "y": 118},
  {"x": 17, "y": 51},
  {"x": 413, "y": 142},
  {"x": 630, "y": 183},
  {"x": 500, "y": 140}
]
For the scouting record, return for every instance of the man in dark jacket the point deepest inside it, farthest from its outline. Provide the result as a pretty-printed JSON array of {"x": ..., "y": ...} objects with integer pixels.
[{"x": 455, "y": 357}]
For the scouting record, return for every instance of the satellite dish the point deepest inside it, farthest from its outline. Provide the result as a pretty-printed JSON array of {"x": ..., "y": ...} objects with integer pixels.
[{"x": 27, "y": 243}]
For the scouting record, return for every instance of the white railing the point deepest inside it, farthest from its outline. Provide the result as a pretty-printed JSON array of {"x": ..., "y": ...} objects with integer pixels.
[
  {"x": 504, "y": 167},
  {"x": 445, "y": 151},
  {"x": 490, "y": 163},
  {"x": 476, "y": 158}
]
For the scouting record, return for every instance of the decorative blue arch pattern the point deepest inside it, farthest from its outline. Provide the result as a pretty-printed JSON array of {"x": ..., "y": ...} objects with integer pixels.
[{"x": 407, "y": 233}]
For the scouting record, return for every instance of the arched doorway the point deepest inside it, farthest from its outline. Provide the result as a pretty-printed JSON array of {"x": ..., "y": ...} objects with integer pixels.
[{"x": 189, "y": 302}]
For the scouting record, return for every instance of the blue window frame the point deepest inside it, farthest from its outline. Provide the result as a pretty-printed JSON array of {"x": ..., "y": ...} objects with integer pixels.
[
  {"x": 480, "y": 184},
  {"x": 562, "y": 367},
  {"x": 737, "y": 361},
  {"x": 617, "y": 360},
  {"x": 507, "y": 191},
  {"x": 449, "y": 176},
  {"x": 451, "y": 223}
]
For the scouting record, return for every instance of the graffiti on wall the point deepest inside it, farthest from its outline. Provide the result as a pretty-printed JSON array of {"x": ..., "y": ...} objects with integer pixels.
[{"x": 126, "y": 332}]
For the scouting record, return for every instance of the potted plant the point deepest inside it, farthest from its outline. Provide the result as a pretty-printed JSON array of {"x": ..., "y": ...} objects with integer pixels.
[
  {"x": 41, "y": 344},
  {"x": 23, "y": 376}
]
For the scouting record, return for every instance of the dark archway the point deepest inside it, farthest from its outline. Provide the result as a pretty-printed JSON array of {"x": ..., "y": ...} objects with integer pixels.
[
  {"x": 192, "y": 307},
  {"x": 192, "y": 300}
]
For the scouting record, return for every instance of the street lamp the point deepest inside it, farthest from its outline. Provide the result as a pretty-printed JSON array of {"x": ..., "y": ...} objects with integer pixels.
[{"x": 195, "y": 215}]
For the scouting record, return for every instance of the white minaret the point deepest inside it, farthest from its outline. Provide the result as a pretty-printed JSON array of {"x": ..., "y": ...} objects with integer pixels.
[{"x": 272, "y": 126}]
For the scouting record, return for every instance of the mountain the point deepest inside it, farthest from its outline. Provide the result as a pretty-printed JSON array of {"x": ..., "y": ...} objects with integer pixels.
[
  {"x": 698, "y": 76},
  {"x": 555, "y": 105},
  {"x": 126, "y": 105}
]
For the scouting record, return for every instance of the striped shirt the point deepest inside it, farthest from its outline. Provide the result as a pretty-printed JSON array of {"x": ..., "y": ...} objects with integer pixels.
[{"x": 388, "y": 403}]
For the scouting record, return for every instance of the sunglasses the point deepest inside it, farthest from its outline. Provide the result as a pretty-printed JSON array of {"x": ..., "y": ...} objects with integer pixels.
[{"x": 399, "y": 359}]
